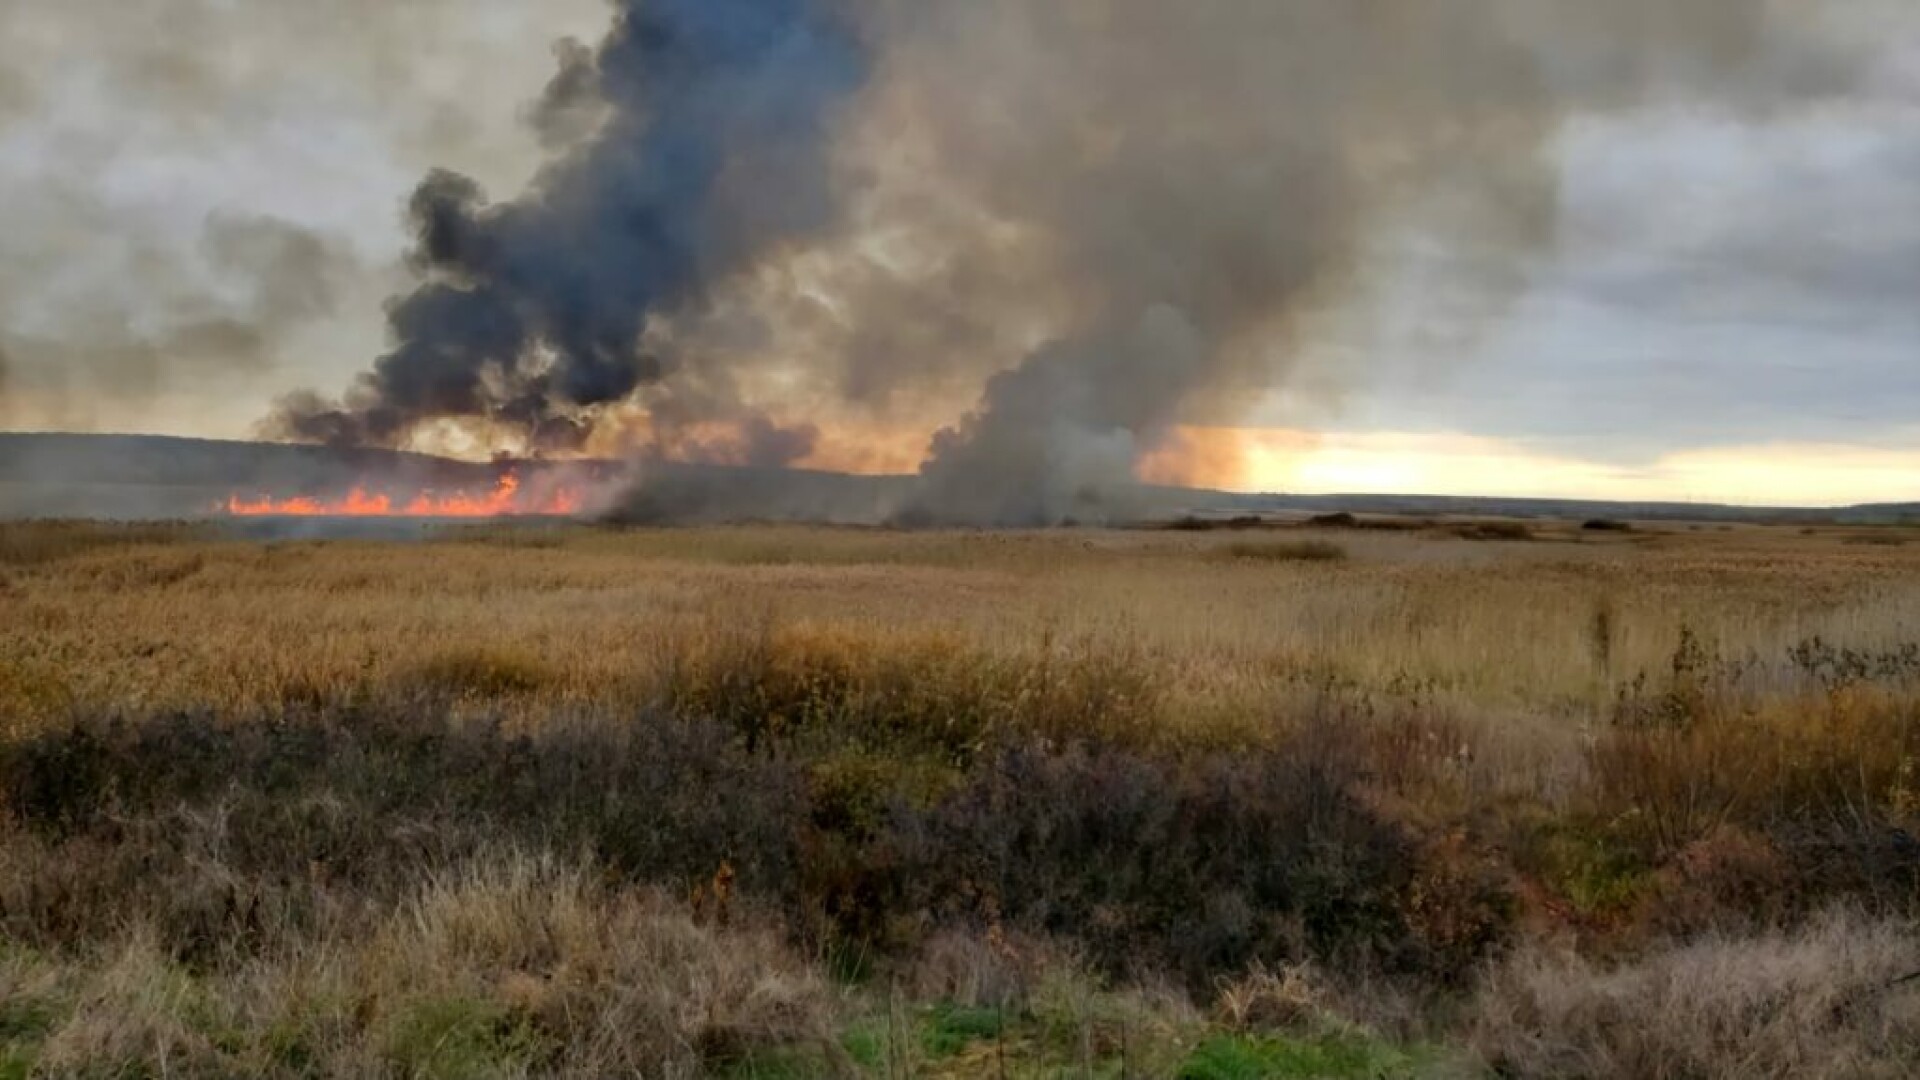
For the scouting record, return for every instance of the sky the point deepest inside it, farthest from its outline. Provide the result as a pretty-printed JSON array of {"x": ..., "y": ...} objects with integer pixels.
[{"x": 203, "y": 208}]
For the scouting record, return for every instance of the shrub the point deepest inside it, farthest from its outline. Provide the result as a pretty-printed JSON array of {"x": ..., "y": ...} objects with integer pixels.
[
  {"x": 1729, "y": 879},
  {"x": 1837, "y": 667},
  {"x": 1460, "y": 907},
  {"x": 1686, "y": 758},
  {"x": 1191, "y": 523},
  {"x": 1593, "y": 877},
  {"x": 221, "y": 836},
  {"x": 197, "y": 827},
  {"x": 1494, "y": 530},
  {"x": 1288, "y": 551},
  {"x": 1200, "y": 867}
]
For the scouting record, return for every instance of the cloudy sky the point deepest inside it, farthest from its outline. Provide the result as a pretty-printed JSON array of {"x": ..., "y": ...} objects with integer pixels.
[{"x": 203, "y": 208}]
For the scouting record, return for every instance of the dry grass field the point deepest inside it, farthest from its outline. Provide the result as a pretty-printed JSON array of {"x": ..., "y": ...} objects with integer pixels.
[{"x": 544, "y": 799}]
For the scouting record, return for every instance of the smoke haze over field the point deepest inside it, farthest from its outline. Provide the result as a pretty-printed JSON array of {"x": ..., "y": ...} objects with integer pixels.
[{"x": 1023, "y": 247}]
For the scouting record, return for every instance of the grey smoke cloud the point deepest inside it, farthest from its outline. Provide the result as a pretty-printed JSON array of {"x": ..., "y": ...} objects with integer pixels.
[
  {"x": 1222, "y": 168},
  {"x": 208, "y": 313}
]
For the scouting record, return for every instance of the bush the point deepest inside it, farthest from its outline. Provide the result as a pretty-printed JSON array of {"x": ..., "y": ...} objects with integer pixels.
[
  {"x": 1494, "y": 530},
  {"x": 1687, "y": 756},
  {"x": 197, "y": 827},
  {"x": 1288, "y": 551},
  {"x": 1192, "y": 523},
  {"x": 1199, "y": 867},
  {"x": 215, "y": 834}
]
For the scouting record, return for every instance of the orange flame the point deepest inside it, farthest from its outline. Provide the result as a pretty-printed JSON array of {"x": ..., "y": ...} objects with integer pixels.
[{"x": 504, "y": 500}]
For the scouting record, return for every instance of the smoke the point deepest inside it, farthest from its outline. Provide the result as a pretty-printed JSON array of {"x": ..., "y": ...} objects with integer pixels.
[
  {"x": 1213, "y": 179},
  {"x": 130, "y": 148},
  {"x": 1051, "y": 234},
  {"x": 212, "y": 312},
  {"x": 705, "y": 148}
]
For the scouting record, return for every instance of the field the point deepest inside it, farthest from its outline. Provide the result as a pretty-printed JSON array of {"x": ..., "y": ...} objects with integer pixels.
[{"x": 1399, "y": 798}]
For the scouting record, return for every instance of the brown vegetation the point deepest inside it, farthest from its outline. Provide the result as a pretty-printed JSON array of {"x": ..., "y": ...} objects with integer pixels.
[{"x": 591, "y": 801}]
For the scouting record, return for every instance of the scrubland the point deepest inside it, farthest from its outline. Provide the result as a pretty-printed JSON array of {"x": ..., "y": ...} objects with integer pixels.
[{"x": 567, "y": 800}]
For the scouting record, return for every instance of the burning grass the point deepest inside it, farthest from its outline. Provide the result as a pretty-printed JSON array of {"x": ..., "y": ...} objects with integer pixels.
[
  {"x": 570, "y": 801},
  {"x": 506, "y": 499}
]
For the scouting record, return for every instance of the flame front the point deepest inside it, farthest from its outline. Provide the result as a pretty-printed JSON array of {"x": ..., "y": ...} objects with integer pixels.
[{"x": 505, "y": 500}]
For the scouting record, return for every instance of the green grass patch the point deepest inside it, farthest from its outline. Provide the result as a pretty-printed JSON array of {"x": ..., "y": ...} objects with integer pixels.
[
  {"x": 948, "y": 1029},
  {"x": 25, "y": 1022},
  {"x": 1234, "y": 1057},
  {"x": 16, "y": 1063},
  {"x": 458, "y": 1039},
  {"x": 866, "y": 1044},
  {"x": 26, "y": 1019},
  {"x": 1594, "y": 871},
  {"x": 784, "y": 1064}
]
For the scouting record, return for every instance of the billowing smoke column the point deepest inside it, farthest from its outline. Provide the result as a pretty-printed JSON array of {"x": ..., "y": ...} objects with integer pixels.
[
  {"x": 702, "y": 145},
  {"x": 1050, "y": 233},
  {"x": 1211, "y": 177}
]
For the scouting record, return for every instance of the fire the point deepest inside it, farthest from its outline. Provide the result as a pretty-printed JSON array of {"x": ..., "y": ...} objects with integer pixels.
[{"x": 504, "y": 500}]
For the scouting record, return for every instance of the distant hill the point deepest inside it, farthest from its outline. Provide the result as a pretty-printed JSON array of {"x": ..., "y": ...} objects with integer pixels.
[
  {"x": 1575, "y": 509},
  {"x": 154, "y": 477}
]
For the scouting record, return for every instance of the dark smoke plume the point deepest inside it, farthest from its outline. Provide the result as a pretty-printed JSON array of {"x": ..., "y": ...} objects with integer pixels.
[{"x": 705, "y": 147}]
